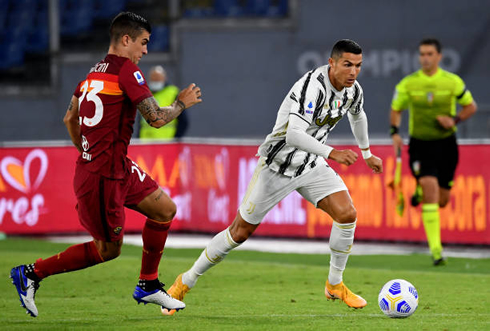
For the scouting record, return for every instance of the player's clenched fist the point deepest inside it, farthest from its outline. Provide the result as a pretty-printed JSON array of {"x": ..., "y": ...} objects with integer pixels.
[
  {"x": 346, "y": 157},
  {"x": 375, "y": 163},
  {"x": 189, "y": 96}
]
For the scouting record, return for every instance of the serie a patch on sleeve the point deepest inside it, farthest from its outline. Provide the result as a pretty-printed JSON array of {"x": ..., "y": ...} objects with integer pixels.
[{"x": 139, "y": 77}]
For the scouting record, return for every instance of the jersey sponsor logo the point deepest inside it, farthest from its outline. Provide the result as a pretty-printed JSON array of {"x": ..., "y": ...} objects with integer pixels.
[
  {"x": 86, "y": 156},
  {"x": 328, "y": 120},
  {"x": 139, "y": 77},
  {"x": 85, "y": 144}
]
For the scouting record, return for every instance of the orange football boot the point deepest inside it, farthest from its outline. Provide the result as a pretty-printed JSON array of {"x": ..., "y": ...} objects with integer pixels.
[
  {"x": 178, "y": 290},
  {"x": 340, "y": 291}
]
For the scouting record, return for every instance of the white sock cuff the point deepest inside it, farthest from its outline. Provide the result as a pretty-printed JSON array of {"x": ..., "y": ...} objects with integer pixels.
[
  {"x": 229, "y": 239},
  {"x": 345, "y": 226}
]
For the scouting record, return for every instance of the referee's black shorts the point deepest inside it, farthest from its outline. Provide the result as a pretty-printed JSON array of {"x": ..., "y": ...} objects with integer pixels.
[{"x": 437, "y": 158}]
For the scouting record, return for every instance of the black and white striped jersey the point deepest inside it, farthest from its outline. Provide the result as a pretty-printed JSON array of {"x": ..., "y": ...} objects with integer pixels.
[{"x": 316, "y": 101}]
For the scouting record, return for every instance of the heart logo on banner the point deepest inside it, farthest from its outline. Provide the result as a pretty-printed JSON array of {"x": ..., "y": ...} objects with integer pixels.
[{"x": 18, "y": 175}]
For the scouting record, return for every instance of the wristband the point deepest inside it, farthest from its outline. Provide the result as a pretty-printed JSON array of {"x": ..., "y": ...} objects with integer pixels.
[
  {"x": 181, "y": 103},
  {"x": 456, "y": 119},
  {"x": 366, "y": 154},
  {"x": 394, "y": 130}
]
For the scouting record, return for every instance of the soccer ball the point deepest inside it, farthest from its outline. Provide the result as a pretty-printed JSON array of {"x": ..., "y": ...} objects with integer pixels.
[{"x": 398, "y": 299}]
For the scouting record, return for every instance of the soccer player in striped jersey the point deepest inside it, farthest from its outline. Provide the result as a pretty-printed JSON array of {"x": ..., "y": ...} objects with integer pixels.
[
  {"x": 100, "y": 122},
  {"x": 431, "y": 95},
  {"x": 293, "y": 157}
]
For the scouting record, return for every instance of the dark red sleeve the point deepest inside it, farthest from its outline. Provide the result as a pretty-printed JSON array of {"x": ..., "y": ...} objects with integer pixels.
[
  {"x": 77, "y": 92},
  {"x": 133, "y": 83}
]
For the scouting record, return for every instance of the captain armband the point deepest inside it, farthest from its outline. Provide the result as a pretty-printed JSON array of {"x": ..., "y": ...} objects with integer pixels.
[{"x": 394, "y": 130}]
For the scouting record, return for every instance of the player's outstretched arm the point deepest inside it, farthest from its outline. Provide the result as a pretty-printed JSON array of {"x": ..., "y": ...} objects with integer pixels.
[
  {"x": 72, "y": 123},
  {"x": 158, "y": 117}
]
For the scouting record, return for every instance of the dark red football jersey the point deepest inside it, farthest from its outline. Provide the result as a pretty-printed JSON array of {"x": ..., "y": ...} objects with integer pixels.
[{"x": 107, "y": 101}]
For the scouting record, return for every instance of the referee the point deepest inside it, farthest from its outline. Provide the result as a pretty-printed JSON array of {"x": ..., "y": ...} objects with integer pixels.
[{"x": 430, "y": 94}]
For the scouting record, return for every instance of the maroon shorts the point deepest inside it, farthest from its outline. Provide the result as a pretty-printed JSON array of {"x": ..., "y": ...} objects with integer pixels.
[{"x": 101, "y": 200}]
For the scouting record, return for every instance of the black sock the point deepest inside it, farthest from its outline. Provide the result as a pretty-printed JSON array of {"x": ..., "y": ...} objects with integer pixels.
[
  {"x": 149, "y": 285},
  {"x": 29, "y": 273}
]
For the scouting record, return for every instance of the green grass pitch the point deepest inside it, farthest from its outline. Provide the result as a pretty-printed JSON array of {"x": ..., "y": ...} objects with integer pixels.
[{"x": 248, "y": 291}]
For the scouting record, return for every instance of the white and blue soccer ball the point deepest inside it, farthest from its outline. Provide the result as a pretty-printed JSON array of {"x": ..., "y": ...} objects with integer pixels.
[{"x": 398, "y": 299}]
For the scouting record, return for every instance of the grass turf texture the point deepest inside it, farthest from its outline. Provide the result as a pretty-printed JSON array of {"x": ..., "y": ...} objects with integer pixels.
[{"x": 248, "y": 291}]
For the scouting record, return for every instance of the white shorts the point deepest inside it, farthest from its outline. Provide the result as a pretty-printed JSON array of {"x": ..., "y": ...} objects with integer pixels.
[{"x": 267, "y": 188}]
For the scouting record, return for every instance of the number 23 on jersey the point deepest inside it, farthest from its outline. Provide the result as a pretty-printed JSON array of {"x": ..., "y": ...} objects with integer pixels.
[{"x": 90, "y": 90}]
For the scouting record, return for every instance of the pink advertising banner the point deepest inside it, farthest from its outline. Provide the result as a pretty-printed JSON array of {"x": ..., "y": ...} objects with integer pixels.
[{"x": 207, "y": 182}]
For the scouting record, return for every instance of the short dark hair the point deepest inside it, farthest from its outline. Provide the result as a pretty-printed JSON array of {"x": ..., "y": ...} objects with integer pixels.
[
  {"x": 345, "y": 46},
  {"x": 432, "y": 41},
  {"x": 128, "y": 23}
]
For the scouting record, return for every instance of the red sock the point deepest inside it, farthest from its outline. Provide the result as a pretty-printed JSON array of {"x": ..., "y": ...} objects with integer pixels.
[
  {"x": 76, "y": 257},
  {"x": 154, "y": 238}
]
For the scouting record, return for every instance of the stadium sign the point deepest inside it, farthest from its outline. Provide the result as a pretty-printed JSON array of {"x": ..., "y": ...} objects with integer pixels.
[
  {"x": 208, "y": 182},
  {"x": 381, "y": 63}
]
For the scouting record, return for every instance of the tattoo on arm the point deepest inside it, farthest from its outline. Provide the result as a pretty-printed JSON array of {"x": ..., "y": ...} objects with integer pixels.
[
  {"x": 152, "y": 113},
  {"x": 70, "y": 107}
]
